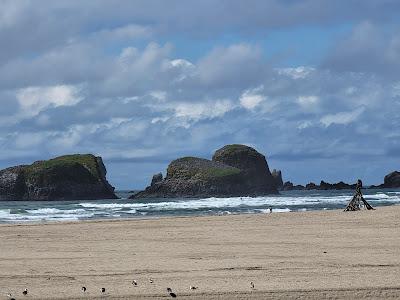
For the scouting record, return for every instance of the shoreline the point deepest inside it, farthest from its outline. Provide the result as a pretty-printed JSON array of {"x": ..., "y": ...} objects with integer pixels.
[{"x": 311, "y": 254}]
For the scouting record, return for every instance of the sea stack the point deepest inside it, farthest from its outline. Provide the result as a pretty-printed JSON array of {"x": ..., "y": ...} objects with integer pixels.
[
  {"x": 235, "y": 170},
  {"x": 392, "y": 180},
  {"x": 68, "y": 177}
]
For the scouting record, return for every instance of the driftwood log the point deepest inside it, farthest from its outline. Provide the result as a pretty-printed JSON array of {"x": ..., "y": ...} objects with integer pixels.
[{"x": 358, "y": 202}]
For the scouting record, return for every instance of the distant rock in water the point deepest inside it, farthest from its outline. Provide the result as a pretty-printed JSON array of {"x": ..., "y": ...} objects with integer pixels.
[
  {"x": 330, "y": 186},
  {"x": 79, "y": 176},
  {"x": 235, "y": 170},
  {"x": 392, "y": 180},
  {"x": 277, "y": 175},
  {"x": 288, "y": 186}
]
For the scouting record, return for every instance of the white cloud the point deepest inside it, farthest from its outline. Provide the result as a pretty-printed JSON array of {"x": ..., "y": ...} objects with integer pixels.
[
  {"x": 342, "y": 117},
  {"x": 251, "y": 98},
  {"x": 197, "y": 111},
  {"x": 307, "y": 101},
  {"x": 33, "y": 100}
]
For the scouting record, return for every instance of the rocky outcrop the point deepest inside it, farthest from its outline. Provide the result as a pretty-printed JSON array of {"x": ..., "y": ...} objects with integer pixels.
[
  {"x": 330, "y": 186},
  {"x": 336, "y": 186},
  {"x": 156, "y": 179},
  {"x": 235, "y": 170},
  {"x": 277, "y": 175},
  {"x": 288, "y": 186},
  {"x": 392, "y": 180},
  {"x": 63, "y": 178}
]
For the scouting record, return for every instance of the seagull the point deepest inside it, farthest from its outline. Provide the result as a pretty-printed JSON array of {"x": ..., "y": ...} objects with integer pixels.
[
  {"x": 150, "y": 280},
  {"x": 84, "y": 288},
  {"x": 103, "y": 290},
  {"x": 9, "y": 295},
  {"x": 193, "y": 287},
  {"x": 134, "y": 282},
  {"x": 270, "y": 209},
  {"x": 25, "y": 292},
  {"x": 252, "y": 284}
]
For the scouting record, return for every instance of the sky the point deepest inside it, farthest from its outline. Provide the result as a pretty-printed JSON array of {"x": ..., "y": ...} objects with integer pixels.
[{"x": 314, "y": 85}]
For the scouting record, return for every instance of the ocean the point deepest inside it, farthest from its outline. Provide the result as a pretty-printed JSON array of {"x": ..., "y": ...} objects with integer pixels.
[{"x": 286, "y": 201}]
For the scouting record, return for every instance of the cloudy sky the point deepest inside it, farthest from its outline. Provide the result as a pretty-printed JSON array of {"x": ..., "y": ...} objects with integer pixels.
[{"x": 313, "y": 84}]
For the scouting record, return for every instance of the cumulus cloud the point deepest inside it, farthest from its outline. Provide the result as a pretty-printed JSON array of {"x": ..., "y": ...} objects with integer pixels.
[
  {"x": 33, "y": 100},
  {"x": 250, "y": 99},
  {"x": 112, "y": 79}
]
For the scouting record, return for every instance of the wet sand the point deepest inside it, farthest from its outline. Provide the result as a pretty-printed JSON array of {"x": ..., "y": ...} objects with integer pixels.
[{"x": 299, "y": 255}]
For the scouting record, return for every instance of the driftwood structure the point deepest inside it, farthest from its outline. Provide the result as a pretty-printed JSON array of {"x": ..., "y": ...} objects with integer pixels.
[{"x": 358, "y": 202}]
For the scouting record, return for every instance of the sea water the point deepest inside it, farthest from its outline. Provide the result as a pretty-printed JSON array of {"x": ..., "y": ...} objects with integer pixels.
[{"x": 286, "y": 201}]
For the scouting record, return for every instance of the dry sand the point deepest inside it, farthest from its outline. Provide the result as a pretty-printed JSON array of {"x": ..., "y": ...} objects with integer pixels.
[{"x": 302, "y": 255}]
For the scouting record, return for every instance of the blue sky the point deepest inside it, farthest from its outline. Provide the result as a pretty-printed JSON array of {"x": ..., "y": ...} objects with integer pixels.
[{"x": 313, "y": 84}]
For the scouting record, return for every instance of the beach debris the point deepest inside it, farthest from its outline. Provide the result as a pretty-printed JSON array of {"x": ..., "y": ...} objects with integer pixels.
[
  {"x": 252, "y": 284},
  {"x": 193, "y": 287},
  {"x": 84, "y": 289},
  {"x": 171, "y": 293},
  {"x": 358, "y": 202},
  {"x": 134, "y": 282},
  {"x": 103, "y": 290},
  {"x": 25, "y": 292}
]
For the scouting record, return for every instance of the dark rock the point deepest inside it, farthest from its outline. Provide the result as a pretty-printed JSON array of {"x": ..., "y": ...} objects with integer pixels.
[
  {"x": 289, "y": 186},
  {"x": 392, "y": 180},
  {"x": 277, "y": 175},
  {"x": 235, "y": 170},
  {"x": 336, "y": 186},
  {"x": 156, "y": 178},
  {"x": 311, "y": 186},
  {"x": 329, "y": 186},
  {"x": 66, "y": 177}
]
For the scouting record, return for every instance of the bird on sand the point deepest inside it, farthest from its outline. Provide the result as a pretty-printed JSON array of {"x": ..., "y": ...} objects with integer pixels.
[
  {"x": 252, "y": 284},
  {"x": 150, "y": 280},
  {"x": 84, "y": 288},
  {"x": 193, "y": 287},
  {"x": 134, "y": 282},
  {"x": 169, "y": 290},
  {"x": 103, "y": 290},
  {"x": 25, "y": 292}
]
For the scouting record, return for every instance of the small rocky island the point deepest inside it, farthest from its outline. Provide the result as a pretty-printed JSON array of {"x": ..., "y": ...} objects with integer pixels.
[
  {"x": 235, "y": 170},
  {"x": 323, "y": 186},
  {"x": 69, "y": 177}
]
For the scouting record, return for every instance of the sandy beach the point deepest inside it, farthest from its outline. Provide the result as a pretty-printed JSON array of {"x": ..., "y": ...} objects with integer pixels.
[{"x": 301, "y": 255}]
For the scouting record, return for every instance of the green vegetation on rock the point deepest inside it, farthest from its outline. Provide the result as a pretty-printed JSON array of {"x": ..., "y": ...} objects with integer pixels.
[{"x": 65, "y": 162}]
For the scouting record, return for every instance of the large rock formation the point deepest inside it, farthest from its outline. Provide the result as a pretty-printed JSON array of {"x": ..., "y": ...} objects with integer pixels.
[
  {"x": 235, "y": 170},
  {"x": 63, "y": 178},
  {"x": 392, "y": 180}
]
